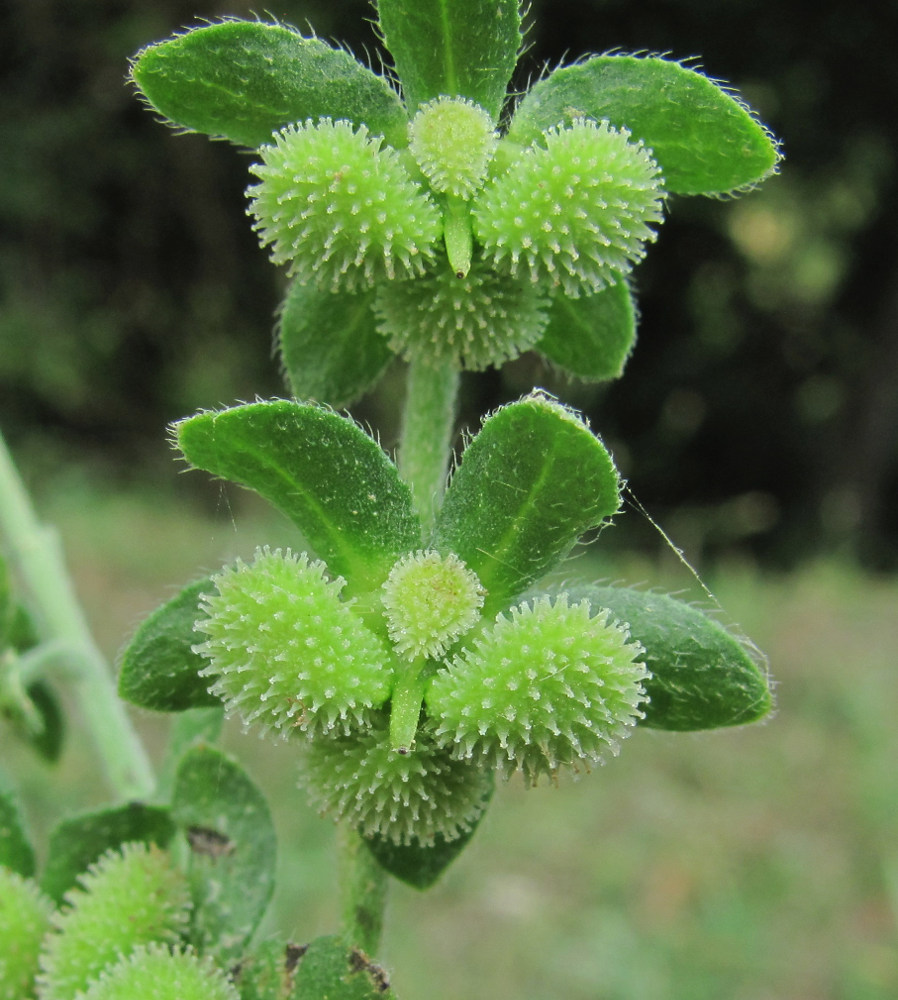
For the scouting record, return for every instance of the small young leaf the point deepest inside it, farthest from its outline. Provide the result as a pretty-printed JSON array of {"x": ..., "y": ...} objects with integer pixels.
[
  {"x": 321, "y": 470},
  {"x": 331, "y": 970},
  {"x": 463, "y": 48},
  {"x": 330, "y": 347},
  {"x": 703, "y": 677},
  {"x": 16, "y": 852},
  {"x": 591, "y": 337},
  {"x": 243, "y": 80},
  {"x": 159, "y": 668},
  {"x": 79, "y": 840},
  {"x": 705, "y": 141},
  {"x": 47, "y": 742},
  {"x": 418, "y": 865},
  {"x": 529, "y": 484},
  {"x": 232, "y": 861}
]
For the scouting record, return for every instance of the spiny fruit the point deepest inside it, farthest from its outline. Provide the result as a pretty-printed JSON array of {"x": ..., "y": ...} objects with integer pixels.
[
  {"x": 24, "y": 919},
  {"x": 550, "y": 685},
  {"x": 129, "y": 897},
  {"x": 429, "y": 601},
  {"x": 285, "y": 651},
  {"x": 576, "y": 211},
  {"x": 157, "y": 973},
  {"x": 403, "y": 798},
  {"x": 452, "y": 140},
  {"x": 472, "y": 322},
  {"x": 339, "y": 207}
]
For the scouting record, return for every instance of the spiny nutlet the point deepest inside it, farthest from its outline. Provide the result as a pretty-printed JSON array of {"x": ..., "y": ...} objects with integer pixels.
[
  {"x": 154, "y": 972},
  {"x": 339, "y": 207},
  {"x": 429, "y": 601},
  {"x": 472, "y": 322},
  {"x": 128, "y": 898},
  {"x": 550, "y": 685},
  {"x": 403, "y": 798},
  {"x": 576, "y": 211},
  {"x": 24, "y": 920},
  {"x": 452, "y": 140},
  {"x": 285, "y": 651}
]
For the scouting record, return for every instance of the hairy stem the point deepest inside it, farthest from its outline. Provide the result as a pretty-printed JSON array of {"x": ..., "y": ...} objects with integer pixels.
[
  {"x": 35, "y": 554},
  {"x": 427, "y": 428},
  {"x": 363, "y": 892}
]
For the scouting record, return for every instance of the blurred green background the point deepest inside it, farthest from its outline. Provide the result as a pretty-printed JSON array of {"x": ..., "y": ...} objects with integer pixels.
[{"x": 756, "y": 421}]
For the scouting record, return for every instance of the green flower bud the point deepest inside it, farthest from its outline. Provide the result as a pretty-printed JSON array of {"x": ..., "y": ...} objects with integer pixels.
[
  {"x": 430, "y": 601},
  {"x": 401, "y": 797},
  {"x": 127, "y": 898},
  {"x": 285, "y": 651},
  {"x": 24, "y": 919},
  {"x": 576, "y": 211},
  {"x": 551, "y": 685},
  {"x": 475, "y": 321},
  {"x": 452, "y": 141},
  {"x": 340, "y": 208},
  {"x": 156, "y": 973}
]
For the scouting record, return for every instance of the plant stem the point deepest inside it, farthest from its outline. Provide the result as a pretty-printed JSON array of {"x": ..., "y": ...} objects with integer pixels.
[
  {"x": 428, "y": 425},
  {"x": 363, "y": 892},
  {"x": 405, "y": 705},
  {"x": 36, "y": 555}
]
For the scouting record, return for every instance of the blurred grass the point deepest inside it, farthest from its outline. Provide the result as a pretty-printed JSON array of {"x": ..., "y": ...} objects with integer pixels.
[{"x": 758, "y": 864}]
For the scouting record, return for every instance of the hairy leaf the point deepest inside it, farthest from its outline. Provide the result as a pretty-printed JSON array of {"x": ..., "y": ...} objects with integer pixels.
[
  {"x": 243, "y": 80},
  {"x": 703, "y": 677},
  {"x": 159, "y": 668},
  {"x": 529, "y": 484},
  {"x": 705, "y": 141},
  {"x": 421, "y": 866},
  {"x": 232, "y": 849},
  {"x": 329, "y": 344},
  {"x": 325, "y": 473},
  {"x": 591, "y": 337},
  {"x": 452, "y": 48}
]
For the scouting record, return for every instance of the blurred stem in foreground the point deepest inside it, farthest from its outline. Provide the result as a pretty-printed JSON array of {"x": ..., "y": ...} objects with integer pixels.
[{"x": 38, "y": 565}]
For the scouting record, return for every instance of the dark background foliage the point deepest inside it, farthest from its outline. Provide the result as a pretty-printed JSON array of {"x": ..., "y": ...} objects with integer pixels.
[{"x": 759, "y": 412}]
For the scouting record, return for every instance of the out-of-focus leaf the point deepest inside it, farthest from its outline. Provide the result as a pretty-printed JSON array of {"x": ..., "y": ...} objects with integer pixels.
[
  {"x": 456, "y": 48},
  {"x": 232, "y": 858}
]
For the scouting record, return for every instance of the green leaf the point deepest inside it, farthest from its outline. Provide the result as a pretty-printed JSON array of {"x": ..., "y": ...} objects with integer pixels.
[
  {"x": 321, "y": 470},
  {"x": 78, "y": 841},
  {"x": 530, "y": 483},
  {"x": 6, "y": 604},
  {"x": 329, "y": 344},
  {"x": 703, "y": 677},
  {"x": 268, "y": 972},
  {"x": 232, "y": 858},
  {"x": 243, "y": 80},
  {"x": 591, "y": 337},
  {"x": 452, "y": 48},
  {"x": 47, "y": 740},
  {"x": 16, "y": 852},
  {"x": 159, "y": 668},
  {"x": 704, "y": 139},
  {"x": 190, "y": 728},
  {"x": 331, "y": 970},
  {"x": 421, "y": 866}
]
